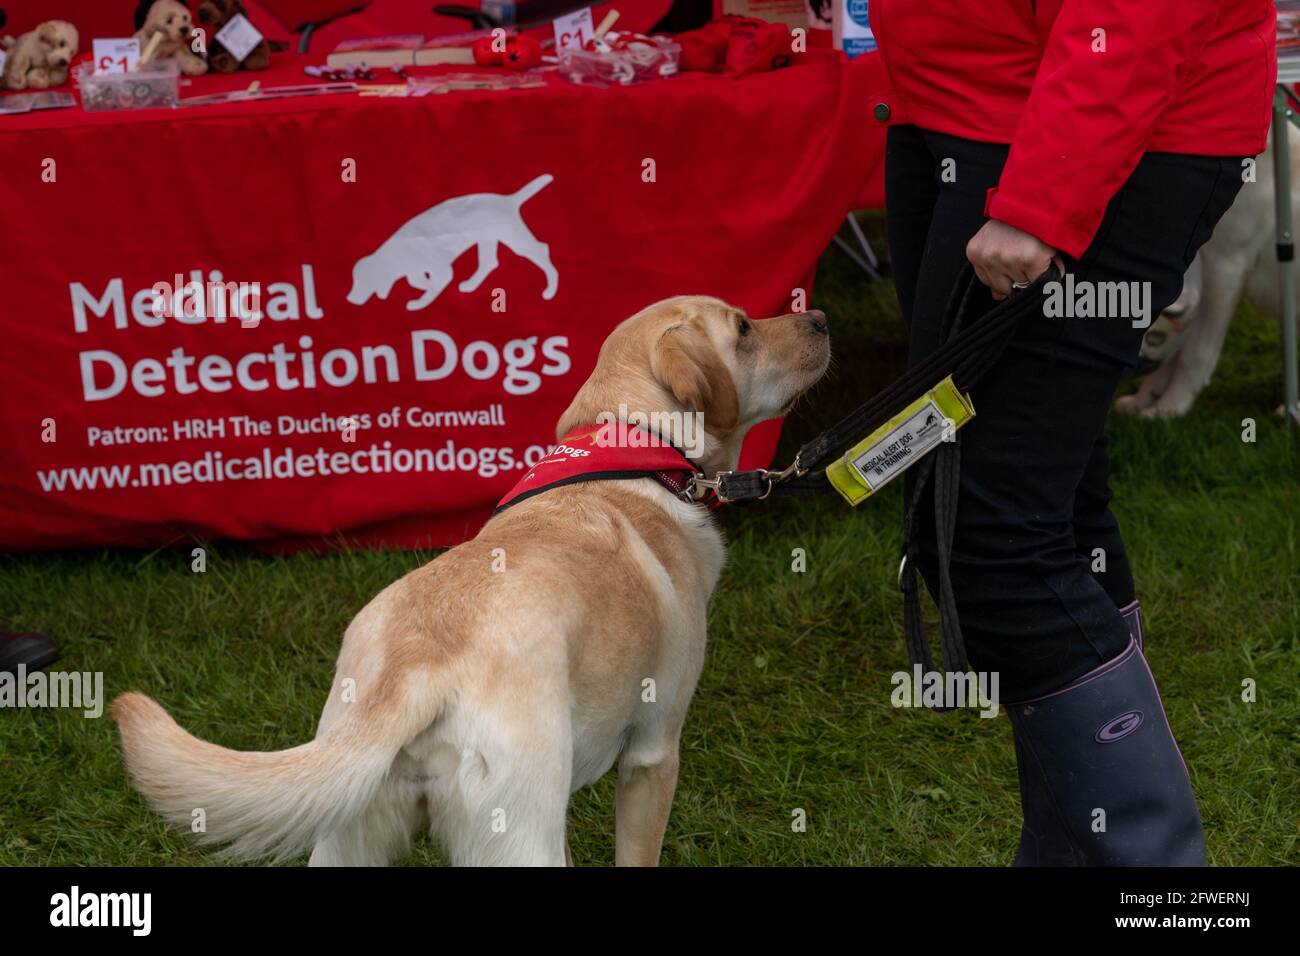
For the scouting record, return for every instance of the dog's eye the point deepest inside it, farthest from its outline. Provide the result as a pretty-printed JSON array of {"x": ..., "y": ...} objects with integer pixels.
[{"x": 744, "y": 326}]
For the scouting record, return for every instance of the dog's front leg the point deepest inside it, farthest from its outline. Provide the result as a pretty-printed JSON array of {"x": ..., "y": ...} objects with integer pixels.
[
  {"x": 191, "y": 63},
  {"x": 1152, "y": 387},
  {"x": 1224, "y": 285},
  {"x": 643, "y": 798},
  {"x": 431, "y": 282},
  {"x": 487, "y": 261}
]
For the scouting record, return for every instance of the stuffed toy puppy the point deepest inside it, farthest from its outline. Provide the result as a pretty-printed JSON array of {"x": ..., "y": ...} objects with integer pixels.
[
  {"x": 215, "y": 14},
  {"x": 173, "y": 22},
  {"x": 39, "y": 59}
]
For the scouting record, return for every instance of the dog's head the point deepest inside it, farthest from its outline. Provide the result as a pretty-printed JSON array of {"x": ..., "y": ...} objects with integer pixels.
[
  {"x": 59, "y": 39},
  {"x": 371, "y": 276},
  {"x": 697, "y": 360},
  {"x": 215, "y": 14},
  {"x": 171, "y": 19}
]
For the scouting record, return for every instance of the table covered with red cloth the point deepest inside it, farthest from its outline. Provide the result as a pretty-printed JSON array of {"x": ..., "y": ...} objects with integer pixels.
[
  {"x": 113, "y": 18},
  {"x": 417, "y": 338}
]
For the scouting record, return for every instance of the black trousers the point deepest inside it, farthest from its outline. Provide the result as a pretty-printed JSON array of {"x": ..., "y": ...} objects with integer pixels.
[{"x": 1034, "y": 513}]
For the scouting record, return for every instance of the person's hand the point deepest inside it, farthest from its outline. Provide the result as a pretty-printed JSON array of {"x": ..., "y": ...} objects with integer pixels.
[{"x": 1003, "y": 254}]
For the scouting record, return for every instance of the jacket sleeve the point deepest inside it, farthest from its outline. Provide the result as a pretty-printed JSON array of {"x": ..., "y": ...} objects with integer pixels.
[{"x": 1109, "y": 70}]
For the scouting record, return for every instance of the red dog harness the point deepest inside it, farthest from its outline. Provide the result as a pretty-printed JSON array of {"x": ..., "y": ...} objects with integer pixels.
[{"x": 581, "y": 455}]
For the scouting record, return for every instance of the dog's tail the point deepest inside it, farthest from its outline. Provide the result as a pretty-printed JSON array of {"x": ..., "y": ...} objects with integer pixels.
[
  {"x": 264, "y": 804},
  {"x": 533, "y": 188}
]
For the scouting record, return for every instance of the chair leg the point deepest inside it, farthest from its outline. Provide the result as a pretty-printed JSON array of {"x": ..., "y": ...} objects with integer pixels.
[{"x": 865, "y": 259}]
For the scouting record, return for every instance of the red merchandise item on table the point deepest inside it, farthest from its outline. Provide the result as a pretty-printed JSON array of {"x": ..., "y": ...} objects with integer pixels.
[
  {"x": 703, "y": 51},
  {"x": 485, "y": 54},
  {"x": 522, "y": 53},
  {"x": 757, "y": 47},
  {"x": 736, "y": 45}
]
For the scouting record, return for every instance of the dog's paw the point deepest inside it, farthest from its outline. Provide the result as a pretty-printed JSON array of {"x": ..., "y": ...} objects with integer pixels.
[
  {"x": 1134, "y": 404},
  {"x": 1166, "y": 408}
]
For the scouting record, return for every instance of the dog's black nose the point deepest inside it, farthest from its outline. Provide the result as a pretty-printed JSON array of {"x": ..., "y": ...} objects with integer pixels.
[
  {"x": 185, "y": 31},
  {"x": 817, "y": 321}
]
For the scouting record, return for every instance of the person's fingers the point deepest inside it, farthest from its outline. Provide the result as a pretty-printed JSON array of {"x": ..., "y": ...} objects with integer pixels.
[
  {"x": 983, "y": 275},
  {"x": 999, "y": 284}
]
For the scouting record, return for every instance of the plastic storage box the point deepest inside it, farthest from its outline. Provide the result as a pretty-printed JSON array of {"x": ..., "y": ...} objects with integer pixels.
[
  {"x": 156, "y": 84},
  {"x": 637, "y": 62}
]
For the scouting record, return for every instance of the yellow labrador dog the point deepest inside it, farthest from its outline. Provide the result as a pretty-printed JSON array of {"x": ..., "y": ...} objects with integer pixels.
[{"x": 474, "y": 700}]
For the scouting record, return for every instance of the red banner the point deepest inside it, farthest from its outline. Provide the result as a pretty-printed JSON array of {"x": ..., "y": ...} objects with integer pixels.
[{"x": 299, "y": 318}]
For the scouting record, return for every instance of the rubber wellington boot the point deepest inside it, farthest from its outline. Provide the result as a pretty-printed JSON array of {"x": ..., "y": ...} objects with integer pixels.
[
  {"x": 1042, "y": 843},
  {"x": 1132, "y": 615},
  {"x": 1102, "y": 782}
]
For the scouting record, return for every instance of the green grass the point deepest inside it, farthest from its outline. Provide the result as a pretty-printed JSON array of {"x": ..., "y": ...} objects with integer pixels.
[{"x": 793, "y": 709}]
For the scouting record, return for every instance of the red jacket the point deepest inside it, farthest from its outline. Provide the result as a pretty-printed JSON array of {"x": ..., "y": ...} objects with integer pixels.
[{"x": 1175, "y": 76}]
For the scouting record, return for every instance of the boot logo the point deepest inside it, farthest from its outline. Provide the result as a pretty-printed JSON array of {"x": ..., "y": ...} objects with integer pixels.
[{"x": 1117, "y": 728}]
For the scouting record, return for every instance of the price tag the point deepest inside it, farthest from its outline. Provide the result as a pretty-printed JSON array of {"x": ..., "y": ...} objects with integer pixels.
[
  {"x": 574, "y": 29},
  {"x": 116, "y": 56},
  {"x": 239, "y": 37}
]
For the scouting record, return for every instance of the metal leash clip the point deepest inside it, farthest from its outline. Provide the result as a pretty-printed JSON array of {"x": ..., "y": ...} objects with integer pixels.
[{"x": 700, "y": 486}]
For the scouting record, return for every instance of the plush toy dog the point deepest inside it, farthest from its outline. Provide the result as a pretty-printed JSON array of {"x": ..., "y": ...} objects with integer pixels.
[
  {"x": 173, "y": 22},
  {"x": 215, "y": 14},
  {"x": 39, "y": 59}
]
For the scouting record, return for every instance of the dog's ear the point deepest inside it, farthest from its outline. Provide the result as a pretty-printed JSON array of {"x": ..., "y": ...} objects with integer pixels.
[{"x": 685, "y": 362}]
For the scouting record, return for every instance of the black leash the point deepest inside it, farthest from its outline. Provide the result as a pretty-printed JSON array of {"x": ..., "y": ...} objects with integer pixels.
[{"x": 971, "y": 345}]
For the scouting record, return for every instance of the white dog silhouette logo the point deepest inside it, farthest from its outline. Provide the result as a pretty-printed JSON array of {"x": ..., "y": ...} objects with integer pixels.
[{"x": 423, "y": 250}]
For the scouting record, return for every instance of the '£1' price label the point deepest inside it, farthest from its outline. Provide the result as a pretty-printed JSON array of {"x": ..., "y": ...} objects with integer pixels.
[
  {"x": 116, "y": 56},
  {"x": 574, "y": 29}
]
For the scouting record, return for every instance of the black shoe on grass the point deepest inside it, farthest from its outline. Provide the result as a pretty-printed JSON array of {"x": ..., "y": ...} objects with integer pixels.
[{"x": 36, "y": 651}]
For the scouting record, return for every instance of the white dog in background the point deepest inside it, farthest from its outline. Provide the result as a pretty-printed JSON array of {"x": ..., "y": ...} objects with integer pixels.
[
  {"x": 423, "y": 249},
  {"x": 1238, "y": 261}
]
